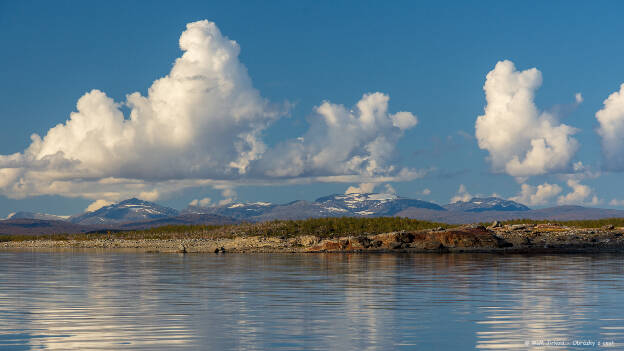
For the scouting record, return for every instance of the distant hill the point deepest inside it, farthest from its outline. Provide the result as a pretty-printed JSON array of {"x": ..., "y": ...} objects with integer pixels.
[
  {"x": 183, "y": 219},
  {"x": 482, "y": 204},
  {"x": 27, "y": 226},
  {"x": 238, "y": 210},
  {"x": 561, "y": 213},
  {"x": 35, "y": 215}
]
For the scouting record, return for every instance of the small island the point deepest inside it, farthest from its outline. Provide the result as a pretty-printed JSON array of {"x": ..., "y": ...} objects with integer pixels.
[{"x": 348, "y": 234}]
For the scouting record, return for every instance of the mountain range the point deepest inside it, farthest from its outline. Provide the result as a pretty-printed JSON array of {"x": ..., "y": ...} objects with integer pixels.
[{"x": 134, "y": 214}]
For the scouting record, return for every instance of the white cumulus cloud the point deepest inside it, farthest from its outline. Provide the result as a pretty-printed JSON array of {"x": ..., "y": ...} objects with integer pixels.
[
  {"x": 521, "y": 140},
  {"x": 205, "y": 202},
  {"x": 363, "y": 188},
  {"x": 580, "y": 194},
  {"x": 537, "y": 195},
  {"x": 611, "y": 129},
  {"x": 343, "y": 141},
  {"x": 97, "y": 204},
  {"x": 201, "y": 125},
  {"x": 462, "y": 195},
  {"x": 616, "y": 202},
  {"x": 389, "y": 189},
  {"x": 229, "y": 195}
]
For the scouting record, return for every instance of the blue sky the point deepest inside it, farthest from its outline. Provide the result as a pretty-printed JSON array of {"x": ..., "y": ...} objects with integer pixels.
[{"x": 431, "y": 59}]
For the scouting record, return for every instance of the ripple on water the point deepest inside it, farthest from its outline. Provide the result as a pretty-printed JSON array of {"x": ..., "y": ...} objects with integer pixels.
[{"x": 107, "y": 300}]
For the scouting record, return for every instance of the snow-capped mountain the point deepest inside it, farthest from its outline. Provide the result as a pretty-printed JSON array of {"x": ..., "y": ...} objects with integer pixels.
[
  {"x": 131, "y": 210},
  {"x": 370, "y": 204},
  {"x": 337, "y": 205},
  {"x": 480, "y": 204}
]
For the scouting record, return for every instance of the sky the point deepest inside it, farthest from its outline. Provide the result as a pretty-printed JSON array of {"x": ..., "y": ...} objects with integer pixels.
[{"x": 211, "y": 103}]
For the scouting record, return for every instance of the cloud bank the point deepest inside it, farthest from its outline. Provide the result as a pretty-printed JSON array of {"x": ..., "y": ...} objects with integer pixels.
[
  {"x": 202, "y": 125},
  {"x": 521, "y": 140},
  {"x": 611, "y": 128},
  {"x": 542, "y": 194},
  {"x": 580, "y": 194},
  {"x": 363, "y": 188},
  {"x": 343, "y": 141},
  {"x": 462, "y": 195}
]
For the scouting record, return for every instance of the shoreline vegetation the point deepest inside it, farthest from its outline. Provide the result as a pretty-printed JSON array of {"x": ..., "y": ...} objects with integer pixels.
[{"x": 349, "y": 234}]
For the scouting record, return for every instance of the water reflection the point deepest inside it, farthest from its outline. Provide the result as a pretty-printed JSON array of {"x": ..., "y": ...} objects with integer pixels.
[{"x": 107, "y": 300}]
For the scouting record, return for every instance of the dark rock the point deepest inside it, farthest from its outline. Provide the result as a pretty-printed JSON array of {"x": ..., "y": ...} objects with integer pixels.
[
  {"x": 425, "y": 241},
  {"x": 396, "y": 245},
  {"x": 364, "y": 241},
  {"x": 405, "y": 237}
]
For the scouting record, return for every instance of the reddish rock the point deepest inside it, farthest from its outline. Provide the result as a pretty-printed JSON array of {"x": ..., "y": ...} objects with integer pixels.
[
  {"x": 469, "y": 237},
  {"x": 458, "y": 238}
]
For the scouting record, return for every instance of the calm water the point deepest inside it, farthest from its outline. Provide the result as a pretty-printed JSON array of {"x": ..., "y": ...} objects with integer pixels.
[{"x": 125, "y": 300}]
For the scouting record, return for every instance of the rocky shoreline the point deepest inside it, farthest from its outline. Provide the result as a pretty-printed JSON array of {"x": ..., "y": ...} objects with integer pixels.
[{"x": 523, "y": 238}]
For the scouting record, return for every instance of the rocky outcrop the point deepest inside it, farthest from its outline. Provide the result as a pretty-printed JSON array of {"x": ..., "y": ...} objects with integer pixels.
[
  {"x": 464, "y": 238},
  {"x": 553, "y": 237}
]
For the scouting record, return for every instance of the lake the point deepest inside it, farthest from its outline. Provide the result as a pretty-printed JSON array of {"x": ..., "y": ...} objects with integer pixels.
[{"x": 90, "y": 299}]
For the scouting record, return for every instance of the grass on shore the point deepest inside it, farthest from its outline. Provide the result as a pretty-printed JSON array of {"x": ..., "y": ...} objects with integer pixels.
[{"x": 321, "y": 227}]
